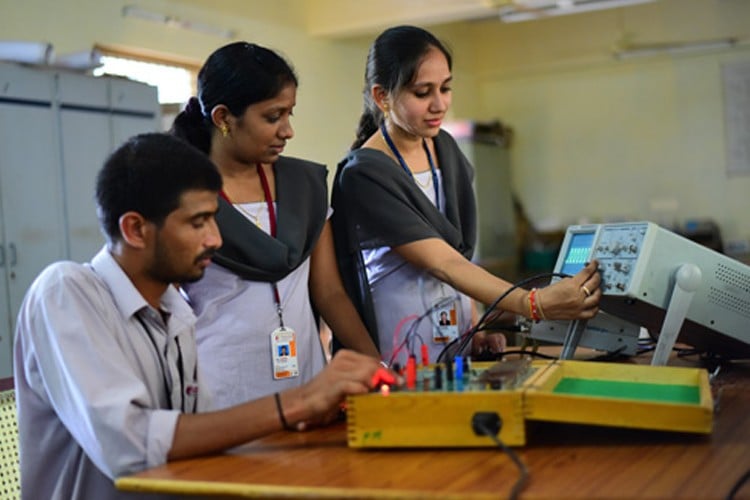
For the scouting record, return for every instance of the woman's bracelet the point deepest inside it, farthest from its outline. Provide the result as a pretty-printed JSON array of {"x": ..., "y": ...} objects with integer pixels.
[
  {"x": 533, "y": 306},
  {"x": 280, "y": 410}
]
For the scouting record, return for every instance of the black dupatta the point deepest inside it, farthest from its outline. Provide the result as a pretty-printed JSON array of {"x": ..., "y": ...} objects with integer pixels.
[
  {"x": 376, "y": 204},
  {"x": 302, "y": 206}
]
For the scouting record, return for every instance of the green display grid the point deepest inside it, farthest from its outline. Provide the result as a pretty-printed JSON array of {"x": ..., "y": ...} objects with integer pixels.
[{"x": 668, "y": 393}]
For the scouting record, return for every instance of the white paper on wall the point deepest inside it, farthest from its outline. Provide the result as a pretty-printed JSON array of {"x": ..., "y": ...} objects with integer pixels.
[{"x": 736, "y": 77}]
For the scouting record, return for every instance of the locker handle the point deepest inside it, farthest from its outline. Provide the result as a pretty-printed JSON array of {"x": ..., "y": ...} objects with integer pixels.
[
  {"x": 13, "y": 254},
  {"x": 2, "y": 256}
]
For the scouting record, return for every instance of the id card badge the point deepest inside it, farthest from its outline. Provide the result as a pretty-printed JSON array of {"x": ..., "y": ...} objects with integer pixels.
[
  {"x": 445, "y": 325},
  {"x": 284, "y": 353}
]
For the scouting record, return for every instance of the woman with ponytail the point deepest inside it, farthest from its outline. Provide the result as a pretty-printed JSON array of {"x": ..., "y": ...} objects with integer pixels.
[
  {"x": 257, "y": 332},
  {"x": 405, "y": 217}
]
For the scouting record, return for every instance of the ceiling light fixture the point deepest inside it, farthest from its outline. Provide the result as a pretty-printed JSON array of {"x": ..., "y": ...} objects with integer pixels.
[
  {"x": 137, "y": 12},
  {"x": 647, "y": 50},
  {"x": 529, "y": 10}
]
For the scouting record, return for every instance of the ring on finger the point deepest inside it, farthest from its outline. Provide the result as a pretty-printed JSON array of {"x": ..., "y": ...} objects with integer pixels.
[{"x": 586, "y": 290}]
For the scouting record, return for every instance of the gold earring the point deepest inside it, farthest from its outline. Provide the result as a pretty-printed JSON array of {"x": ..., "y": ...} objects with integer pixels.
[
  {"x": 386, "y": 113},
  {"x": 224, "y": 130}
]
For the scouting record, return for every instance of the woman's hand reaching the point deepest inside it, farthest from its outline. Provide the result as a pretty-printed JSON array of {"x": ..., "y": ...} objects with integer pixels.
[{"x": 576, "y": 297}]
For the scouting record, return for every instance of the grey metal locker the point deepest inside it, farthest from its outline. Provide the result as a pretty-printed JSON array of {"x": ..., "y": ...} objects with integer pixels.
[
  {"x": 96, "y": 116},
  {"x": 30, "y": 190},
  {"x": 56, "y": 129},
  {"x": 135, "y": 109},
  {"x": 86, "y": 140}
]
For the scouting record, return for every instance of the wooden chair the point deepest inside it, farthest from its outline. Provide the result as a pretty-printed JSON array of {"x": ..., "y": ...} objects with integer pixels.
[{"x": 10, "y": 477}]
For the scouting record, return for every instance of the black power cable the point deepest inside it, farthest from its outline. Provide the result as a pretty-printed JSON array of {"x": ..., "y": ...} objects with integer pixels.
[
  {"x": 742, "y": 480},
  {"x": 466, "y": 338},
  {"x": 488, "y": 424}
]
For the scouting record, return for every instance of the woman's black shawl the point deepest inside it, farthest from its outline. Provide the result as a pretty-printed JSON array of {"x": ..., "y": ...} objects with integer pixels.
[
  {"x": 301, "y": 210},
  {"x": 376, "y": 203}
]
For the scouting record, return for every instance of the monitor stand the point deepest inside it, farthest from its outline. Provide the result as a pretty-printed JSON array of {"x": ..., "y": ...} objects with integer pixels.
[{"x": 687, "y": 280}]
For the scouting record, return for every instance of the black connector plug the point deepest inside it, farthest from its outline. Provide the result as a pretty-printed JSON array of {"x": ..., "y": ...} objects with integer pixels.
[
  {"x": 489, "y": 423},
  {"x": 486, "y": 423}
]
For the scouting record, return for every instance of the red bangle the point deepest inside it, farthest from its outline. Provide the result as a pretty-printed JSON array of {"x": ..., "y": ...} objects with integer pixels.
[{"x": 533, "y": 307}]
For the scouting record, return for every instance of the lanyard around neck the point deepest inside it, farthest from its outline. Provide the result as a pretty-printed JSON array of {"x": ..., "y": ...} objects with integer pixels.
[
  {"x": 268, "y": 197},
  {"x": 164, "y": 367},
  {"x": 433, "y": 170},
  {"x": 272, "y": 222}
]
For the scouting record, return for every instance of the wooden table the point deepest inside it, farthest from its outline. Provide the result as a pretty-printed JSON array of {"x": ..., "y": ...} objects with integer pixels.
[{"x": 563, "y": 460}]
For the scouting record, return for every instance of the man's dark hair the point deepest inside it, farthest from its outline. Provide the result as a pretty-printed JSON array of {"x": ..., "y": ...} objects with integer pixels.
[{"x": 148, "y": 174}]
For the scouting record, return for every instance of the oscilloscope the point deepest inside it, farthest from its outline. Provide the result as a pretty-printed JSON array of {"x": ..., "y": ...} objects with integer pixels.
[{"x": 657, "y": 279}]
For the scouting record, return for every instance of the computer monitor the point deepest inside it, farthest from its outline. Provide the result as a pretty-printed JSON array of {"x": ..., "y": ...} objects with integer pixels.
[{"x": 657, "y": 279}]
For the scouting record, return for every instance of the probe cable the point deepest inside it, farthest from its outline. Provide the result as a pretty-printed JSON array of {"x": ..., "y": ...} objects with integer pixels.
[{"x": 480, "y": 324}]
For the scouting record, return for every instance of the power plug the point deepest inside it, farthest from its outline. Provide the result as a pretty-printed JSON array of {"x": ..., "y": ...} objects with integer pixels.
[{"x": 486, "y": 423}]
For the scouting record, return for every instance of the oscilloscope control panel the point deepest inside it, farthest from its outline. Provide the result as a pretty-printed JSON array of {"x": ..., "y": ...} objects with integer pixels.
[
  {"x": 615, "y": 246},
  {"x": 648, "y": 272}
]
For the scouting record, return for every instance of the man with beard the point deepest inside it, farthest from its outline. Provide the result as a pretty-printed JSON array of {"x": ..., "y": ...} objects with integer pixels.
[{"x": 106, "y": 373}]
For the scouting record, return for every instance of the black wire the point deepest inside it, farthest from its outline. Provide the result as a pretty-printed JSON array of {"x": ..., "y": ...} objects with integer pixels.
[
  {"x": 164, "y": 364},
  {"x": 491, "y": 308},
  {"x": 741, "y": 481},
  {"x": 645, "y": 350},
  {"x": 413, "y": 347},
  {"x": 610, "y": 355},
  {"x": 500, "y": 328},
  {"x": 601, "y": 357},
  {"x": 535, "y": 354},
  {"x": 447, "y": 347},
  {"x": 405, "y": 341},
  {"x": 410, "y": 332},
  {"x": 519, "y": 284},
  {"x": 679, "y": 350},
  {"x": 496, "y": 356},
  {"x": 522, "y": 469},
  {"x": 683, "y": 352}
]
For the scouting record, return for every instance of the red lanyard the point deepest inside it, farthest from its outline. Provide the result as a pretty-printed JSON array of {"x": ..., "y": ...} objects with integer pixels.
[
  {"x": 272, "y": 222},
  {"x": 266, "y": 194}
]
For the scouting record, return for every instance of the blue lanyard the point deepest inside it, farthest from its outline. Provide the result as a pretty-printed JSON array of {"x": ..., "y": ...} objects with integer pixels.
[{"x": 435, "y": 181}]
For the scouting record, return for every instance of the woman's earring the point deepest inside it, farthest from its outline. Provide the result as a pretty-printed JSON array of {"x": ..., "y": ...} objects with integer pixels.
[
  {"x": 224, "y": 130},
  {"x": 386, "y": 113}
]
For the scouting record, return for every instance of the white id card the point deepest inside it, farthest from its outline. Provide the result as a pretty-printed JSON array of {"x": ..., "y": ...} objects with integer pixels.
[
  {"x": 445, "y": 327},
  {"x": 284, "y": 353}
]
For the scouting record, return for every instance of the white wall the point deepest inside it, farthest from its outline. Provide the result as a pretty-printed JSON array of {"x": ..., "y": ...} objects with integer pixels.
[
  {"x": 601, "y": 139},
  {"x": 615, "y": 141}
]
